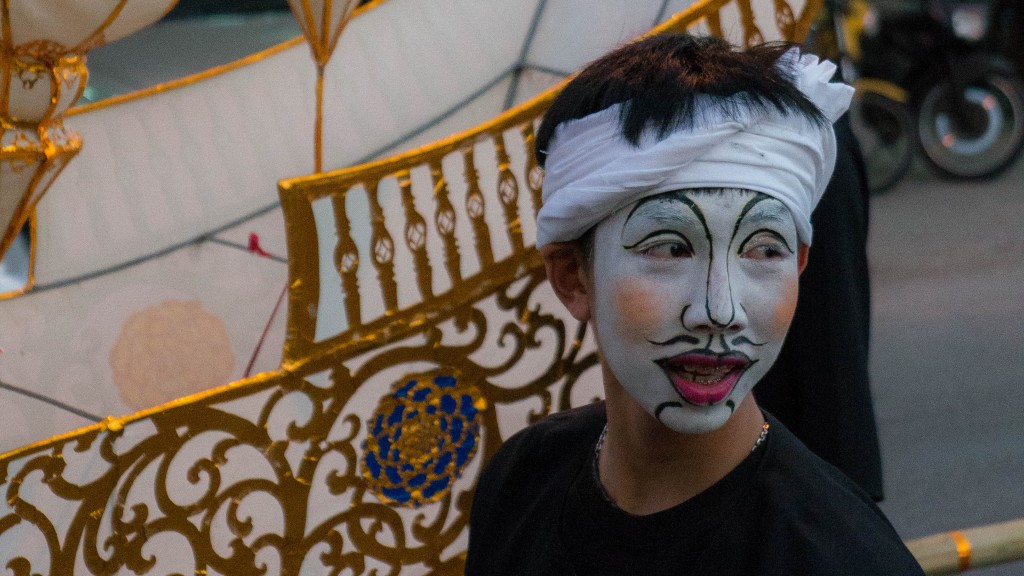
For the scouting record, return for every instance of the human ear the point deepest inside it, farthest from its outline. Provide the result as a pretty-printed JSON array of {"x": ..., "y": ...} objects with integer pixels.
[
  {"x": 568, "y": 276},
  {"x": 801, "y": 257}
]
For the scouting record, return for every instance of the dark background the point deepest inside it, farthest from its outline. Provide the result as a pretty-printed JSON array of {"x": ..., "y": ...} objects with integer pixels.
[{"x": 190, "y": 8}]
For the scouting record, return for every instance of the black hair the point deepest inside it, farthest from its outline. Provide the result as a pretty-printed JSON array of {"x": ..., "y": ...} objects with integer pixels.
[{"x": 658, "y": 78}]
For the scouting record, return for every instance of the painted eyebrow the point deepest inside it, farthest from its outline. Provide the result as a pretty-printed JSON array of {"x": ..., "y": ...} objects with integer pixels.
[
  {"x": 767, "y": 213},
  {"x": 649, "y": 208},
  {"x": 774, "y": 211}
]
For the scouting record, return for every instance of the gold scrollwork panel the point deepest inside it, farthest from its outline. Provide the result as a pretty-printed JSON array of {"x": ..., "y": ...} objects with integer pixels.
[{"x": 275, "y": 478}]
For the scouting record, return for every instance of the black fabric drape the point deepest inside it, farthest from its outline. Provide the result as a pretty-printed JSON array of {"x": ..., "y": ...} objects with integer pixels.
[{"x": 819, "y": 386}]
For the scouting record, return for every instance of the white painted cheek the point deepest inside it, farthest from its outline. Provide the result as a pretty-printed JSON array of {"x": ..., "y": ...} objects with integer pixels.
[
  {"x": 784, "y": 307},
  {"x": 770, "y": 305},
  {"x": 611, "y": 278},
  {"x": 630, "y": 311},
  {"x": 610, "y": 333}
]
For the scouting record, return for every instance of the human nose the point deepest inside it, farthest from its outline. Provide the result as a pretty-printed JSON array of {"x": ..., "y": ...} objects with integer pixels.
[{"x": 714, "y": 308}]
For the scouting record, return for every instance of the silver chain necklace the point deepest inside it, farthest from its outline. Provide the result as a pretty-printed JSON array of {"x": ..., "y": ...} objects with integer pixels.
[{"x": 604, "y": 433}]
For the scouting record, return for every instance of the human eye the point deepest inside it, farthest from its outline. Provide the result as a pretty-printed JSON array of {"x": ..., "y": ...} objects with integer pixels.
[
  {"x": 664, "y": 245},
  {"x": 764, "y": 245}
]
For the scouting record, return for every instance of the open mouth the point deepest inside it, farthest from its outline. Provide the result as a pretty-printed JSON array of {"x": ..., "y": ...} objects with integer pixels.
[{"x": 704, "y": 378}]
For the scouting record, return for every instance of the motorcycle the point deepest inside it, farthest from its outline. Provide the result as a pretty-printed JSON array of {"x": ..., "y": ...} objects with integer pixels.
[
  {"x": 879, "y": 113},
  {"x": 964, "y": 91}
]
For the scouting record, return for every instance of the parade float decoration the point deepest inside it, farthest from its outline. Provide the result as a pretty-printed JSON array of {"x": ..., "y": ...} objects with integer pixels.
[{"x": 419, "y": 333}]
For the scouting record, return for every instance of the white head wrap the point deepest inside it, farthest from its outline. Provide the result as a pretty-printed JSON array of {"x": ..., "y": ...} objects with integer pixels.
[{"x": 592, "y": 171}]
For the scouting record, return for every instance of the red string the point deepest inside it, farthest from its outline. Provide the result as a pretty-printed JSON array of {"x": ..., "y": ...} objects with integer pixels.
[
  {"x": 254, "y": 245},
  {"x": 266, "y": 329}
]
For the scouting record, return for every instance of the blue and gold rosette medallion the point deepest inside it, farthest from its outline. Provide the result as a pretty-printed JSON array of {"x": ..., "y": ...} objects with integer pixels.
[{"x": 421, "y": 438}]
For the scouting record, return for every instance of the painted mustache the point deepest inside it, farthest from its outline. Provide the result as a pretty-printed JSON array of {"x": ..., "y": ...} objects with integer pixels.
[{"x": 703, "y": 377}]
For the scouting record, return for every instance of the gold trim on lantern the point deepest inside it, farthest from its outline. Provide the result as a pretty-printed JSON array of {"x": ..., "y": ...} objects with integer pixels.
[
  {"x": 205, "y": 74},
  {"x": 185, "y": 81},
  {"x": 30, "y": 281}
]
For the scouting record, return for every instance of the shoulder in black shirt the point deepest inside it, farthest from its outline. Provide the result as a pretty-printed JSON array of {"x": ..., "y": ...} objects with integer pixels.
[{"x": 539, "y": 510}]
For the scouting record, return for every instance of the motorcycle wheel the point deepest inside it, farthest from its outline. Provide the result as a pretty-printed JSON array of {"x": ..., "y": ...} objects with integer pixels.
[
  {"x": 884, "y": 130},
  {"x": 989, "y": 136}
]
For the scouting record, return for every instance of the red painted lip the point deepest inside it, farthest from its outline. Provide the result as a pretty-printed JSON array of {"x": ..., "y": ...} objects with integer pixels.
[{"x": 704, "y": 378}]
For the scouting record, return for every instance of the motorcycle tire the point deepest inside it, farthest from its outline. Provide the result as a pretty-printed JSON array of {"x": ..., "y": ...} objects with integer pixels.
[
  {"x": 990, "y": 137},
  {"x": 884, "y": 130}
]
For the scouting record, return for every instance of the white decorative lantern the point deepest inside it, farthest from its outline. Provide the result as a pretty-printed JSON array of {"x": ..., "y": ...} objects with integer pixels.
[{"x": 43, "y": 72}]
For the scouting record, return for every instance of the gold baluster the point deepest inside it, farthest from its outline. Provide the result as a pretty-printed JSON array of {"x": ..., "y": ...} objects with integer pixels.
[
  {"x": 383, "y": 250},
  {"x": 444, "y": 219},
  {"x": 508, "y": 193},
  {"x": 784, "y": 19},
  {"x": 416, "y": 236},
  {"x": 751, "y": 33},
  {"x": 476, "y": 208},
  {"x": 346, "y": 260},
  {"x": 714, "y": 20},
  {"x": 803, "y": 23},
  {"x": 534, "y": 173}
]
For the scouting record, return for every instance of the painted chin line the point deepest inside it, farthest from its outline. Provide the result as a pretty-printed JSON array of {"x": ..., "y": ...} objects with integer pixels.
[{"x": 703, "y": 380}]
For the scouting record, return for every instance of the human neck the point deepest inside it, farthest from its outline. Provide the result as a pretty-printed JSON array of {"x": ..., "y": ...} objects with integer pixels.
[{"x": 645, "y": 467}]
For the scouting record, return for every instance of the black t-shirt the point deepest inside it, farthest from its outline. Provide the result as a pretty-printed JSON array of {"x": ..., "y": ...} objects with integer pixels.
[{"x": 540, "y": 510}]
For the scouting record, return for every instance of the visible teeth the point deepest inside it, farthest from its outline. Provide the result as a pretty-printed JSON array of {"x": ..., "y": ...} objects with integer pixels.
[
  {"x": 706, "y": 374},
  {"x": 709, "y": 369}
]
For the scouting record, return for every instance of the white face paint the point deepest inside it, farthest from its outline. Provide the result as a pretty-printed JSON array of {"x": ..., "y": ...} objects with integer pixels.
[{"x": 693, "y": 295}]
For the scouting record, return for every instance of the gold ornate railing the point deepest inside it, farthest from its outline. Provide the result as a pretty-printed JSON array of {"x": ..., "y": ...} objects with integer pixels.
[{"x": 421, "y": 333}]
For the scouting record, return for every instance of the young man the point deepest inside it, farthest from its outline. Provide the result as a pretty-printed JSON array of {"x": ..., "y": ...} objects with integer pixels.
[{"x": 680, "y": 179}]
